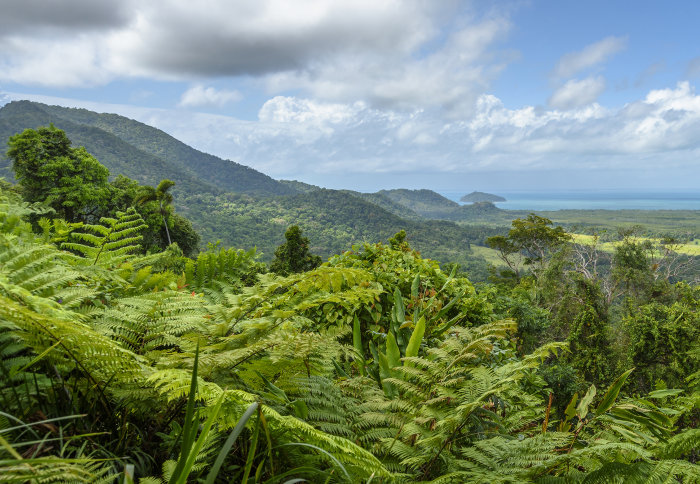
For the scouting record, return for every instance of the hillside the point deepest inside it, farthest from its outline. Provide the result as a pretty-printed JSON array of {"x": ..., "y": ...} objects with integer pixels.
[
  {"x": 426, "y": 203},
  {"x": 387, "y": 204},
  {"x": 244, "y": 208},
  {"x": 299, "y": 187},
  {"x": 139, "y": 151},
  {"x": 117, "y": 155},
  {"x": 333, "y": 220},
  {"x": 481, "y": 197}
]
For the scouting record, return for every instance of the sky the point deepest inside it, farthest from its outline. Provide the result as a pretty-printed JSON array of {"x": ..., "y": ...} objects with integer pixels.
[{"x": 371, "y": 94}]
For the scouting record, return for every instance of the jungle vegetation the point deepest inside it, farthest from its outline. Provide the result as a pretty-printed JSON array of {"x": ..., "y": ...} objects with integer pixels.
[
  {"x": 120, "y": 364},
  {"x": 246, "y": 209}
]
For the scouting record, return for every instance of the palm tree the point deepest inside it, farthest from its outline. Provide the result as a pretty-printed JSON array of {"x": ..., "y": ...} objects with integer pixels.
[{"x": 162, "y": 195}]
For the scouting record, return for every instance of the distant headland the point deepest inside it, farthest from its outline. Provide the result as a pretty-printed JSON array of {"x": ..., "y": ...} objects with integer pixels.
[{"x": 481, "y": 197}]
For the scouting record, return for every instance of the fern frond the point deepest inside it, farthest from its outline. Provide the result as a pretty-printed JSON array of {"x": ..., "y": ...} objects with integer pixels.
[{"x": 110, "y": 243}]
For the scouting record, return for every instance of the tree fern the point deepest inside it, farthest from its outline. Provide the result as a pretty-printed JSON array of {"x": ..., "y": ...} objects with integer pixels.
[
  {"x": 152, "y": 321},
  {"x": 111, "y": 242}
]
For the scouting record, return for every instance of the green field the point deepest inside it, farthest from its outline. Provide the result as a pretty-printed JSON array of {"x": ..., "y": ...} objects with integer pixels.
[
  {"x": 490, "y": 255},
  {"x": 689, "y": 248}
]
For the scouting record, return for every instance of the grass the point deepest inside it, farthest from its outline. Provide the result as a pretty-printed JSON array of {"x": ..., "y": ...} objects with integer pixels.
[
  {"x": 689, "y": 248},
  {"x": 490, "y": 255}
]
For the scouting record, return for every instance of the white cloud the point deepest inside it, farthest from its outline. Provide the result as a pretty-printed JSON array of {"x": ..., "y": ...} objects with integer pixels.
[
  {"x": 576, "y": 93},
  {"x": 574, "y": 62},
  {"x": 52, "y": 62},
  {"x": 391, "y": 54},
  {"x": 653, "y": 137},
  {"x": 450, "y": 78},
  {"x": 200, "y": 96}
]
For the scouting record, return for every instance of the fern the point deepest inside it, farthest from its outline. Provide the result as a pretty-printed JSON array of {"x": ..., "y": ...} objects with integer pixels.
[
  {"x": 153, "y": 321},
  {"x": 109, "y": 243}
]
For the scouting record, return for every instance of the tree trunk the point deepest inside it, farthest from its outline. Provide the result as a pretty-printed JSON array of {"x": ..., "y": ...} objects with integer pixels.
[{"x": 165, "y": 223}]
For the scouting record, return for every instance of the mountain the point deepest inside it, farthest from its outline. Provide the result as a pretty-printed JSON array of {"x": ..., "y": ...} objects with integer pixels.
[
  {"x": 243, "y": 208},
  {"x": 387, "y": 204},
  {"x": 426, "y": 203},
  {"x": 117, "y": 155},
  {"x": 300, "y": 187},
  {"x": 139, "y": 151},
  {"x": 481, "y": 197},
  {"x": 333, "y": 220}
]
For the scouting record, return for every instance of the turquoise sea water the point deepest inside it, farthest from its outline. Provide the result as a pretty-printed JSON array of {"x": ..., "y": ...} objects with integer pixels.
[{"x": 591, "y": 200}]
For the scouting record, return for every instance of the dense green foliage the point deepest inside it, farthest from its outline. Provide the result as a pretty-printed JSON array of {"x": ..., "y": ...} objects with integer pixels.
[
  {"x": 333, "y": 221},
  {"x": 74, "y": 186},
  {"x": 138, "y": 151},
  {"x": 49, "y": 170},
  {"x": 293, "y": 256},
  {"x": 232, "y": 203},
  {"x": 376, "y": 366}
]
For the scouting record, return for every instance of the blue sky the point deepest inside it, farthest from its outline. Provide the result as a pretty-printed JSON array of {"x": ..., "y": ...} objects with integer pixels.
[{"x": 370, "y": 94}]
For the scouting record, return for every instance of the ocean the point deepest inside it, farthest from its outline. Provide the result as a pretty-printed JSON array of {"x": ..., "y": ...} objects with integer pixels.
[{"x": 590, "y": 200}]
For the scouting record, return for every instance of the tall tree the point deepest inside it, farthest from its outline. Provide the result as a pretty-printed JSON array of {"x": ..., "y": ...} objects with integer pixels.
[
  {"x": 69, "y": 180},
  {"x": 294, "y": 255},
  {"x": 530, "y": 242},
  {"x": 160, "y": 194}
]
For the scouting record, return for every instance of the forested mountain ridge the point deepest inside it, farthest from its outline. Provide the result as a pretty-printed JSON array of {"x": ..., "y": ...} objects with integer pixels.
[
  {"x": 118, "y": 156},
  {"x": 139, "y": 151},
  {"x": 426, "y": 203},
  {"x": 333, "y": 220},
  {"x": 247, "y": 216},
  {"x": 254, "y": 217}
]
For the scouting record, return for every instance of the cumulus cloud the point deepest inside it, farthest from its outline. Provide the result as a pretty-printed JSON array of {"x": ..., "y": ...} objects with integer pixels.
[
  {"x": 302, "y": 138},
  {"x": 450, "y": 78},
  {"x": 574, "y": 62},
  {"x": 294, "y": 137},
  {"x": 391, "y": 54},
  {"x": 576, "y": 93},
  {"x": 52, "y": 62},
  {"x": 200, "y": 96}
]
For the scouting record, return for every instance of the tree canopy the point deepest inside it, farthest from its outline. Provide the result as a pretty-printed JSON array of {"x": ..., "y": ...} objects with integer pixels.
[
  {"x": 293, "y": 255},
  {"x": 49, "y": 170}
]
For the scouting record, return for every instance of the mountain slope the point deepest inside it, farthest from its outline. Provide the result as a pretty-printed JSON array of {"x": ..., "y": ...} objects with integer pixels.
[
  {"x": 333, "y": 221},
  {"x": 118, "y": 156},
  {"x": 163, "y": 156},
  {"x": 425, "y": 203}
]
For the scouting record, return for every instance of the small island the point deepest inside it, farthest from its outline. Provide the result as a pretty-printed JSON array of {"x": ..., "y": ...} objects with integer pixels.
[{"x": 481, "y": 197}]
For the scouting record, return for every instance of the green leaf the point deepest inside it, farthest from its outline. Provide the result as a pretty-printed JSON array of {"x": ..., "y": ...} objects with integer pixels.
[
  {"x": 190, "y": 429},
  {"x": 251, "y": 450},
  {"x": 393, "y": 354},
  {"x": 357, "y": 344},
  {"x": 300, "y": 409},
  {"x": 414, "y": 287},
  {"x": 416, "y": 339},
  {"x": 666, "y": 392},
  {"x": 612, "y": 393},
  {"x": 240, "y": 425},
  {"x": 197, "y": 447},
  {"x": 275, "y": 390},
  {"x": 339, "y": 369},
  {"x": 383, "y": 366},
  {"x": 399, "y": 310},
  {"x": 582, "y": 409},
  {"x": 571, "y": 408}
]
